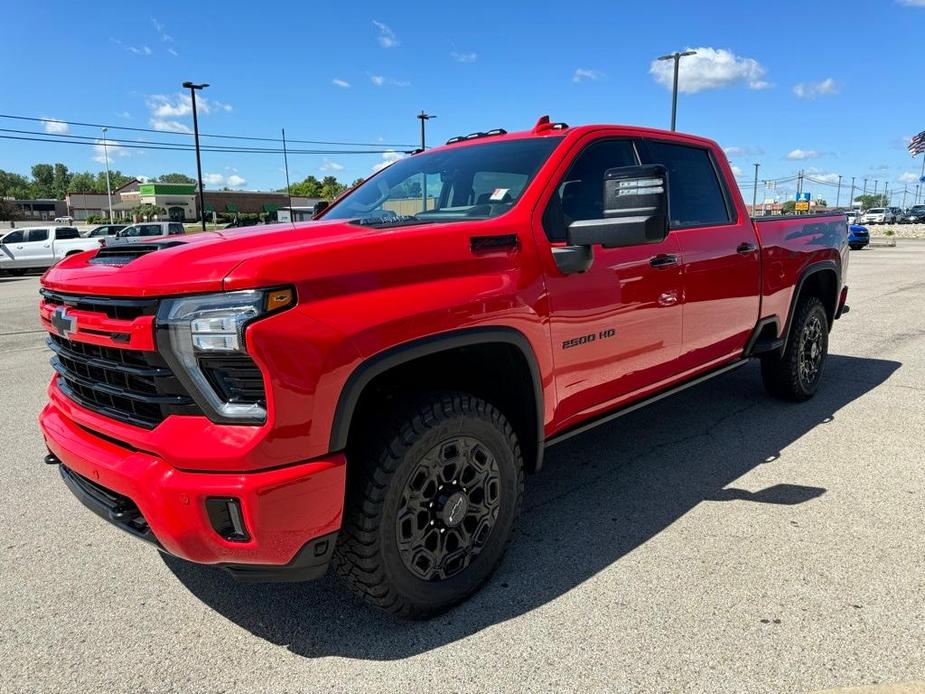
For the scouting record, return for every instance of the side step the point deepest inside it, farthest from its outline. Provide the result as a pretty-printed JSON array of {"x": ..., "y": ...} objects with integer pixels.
[
  {"x": 609, "y": 417},
  {"x": 767, "y": 345}
]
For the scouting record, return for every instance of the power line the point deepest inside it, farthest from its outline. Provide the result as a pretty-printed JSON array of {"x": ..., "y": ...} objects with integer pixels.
[
  {"x": 227, "y": 137},
  {"x": 173, "y": 147}
]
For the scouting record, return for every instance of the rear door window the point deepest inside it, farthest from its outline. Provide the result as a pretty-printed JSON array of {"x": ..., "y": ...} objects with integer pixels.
[
  {"x": 175, "y": 228},
  {"x": 64, "y": 233},
  {"x": 695, "y": 194},
  {"x": 37, "y": 235},
  {"x": 150, "y": 230}
]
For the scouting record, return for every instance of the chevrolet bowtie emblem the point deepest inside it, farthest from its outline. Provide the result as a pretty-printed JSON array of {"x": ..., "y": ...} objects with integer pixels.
[{"x": 63, "y": 323}]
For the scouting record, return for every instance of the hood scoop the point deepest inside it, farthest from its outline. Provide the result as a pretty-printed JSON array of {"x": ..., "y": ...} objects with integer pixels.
[{"x": 123, "y": 254}]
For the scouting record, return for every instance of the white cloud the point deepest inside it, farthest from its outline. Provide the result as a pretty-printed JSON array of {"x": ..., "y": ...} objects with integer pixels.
[
  {"x": 343, "y": 84},
  {"x": 54, "y": 126},
  {"x": 124, "y": 114},
  {"x": 736, "y": 171},
  {"x": 583, "y": 73},
  {"x": 103, "y": 147},
  {"x": 328, "y": 165},
  {"x": 173, "y": 52},
  {"x": 136, "y": 50},
  {"x": 736, "y": 151},
  {"x": 235, "y": 181},
  {"x": 912, "y": 3},
  {"x": 799, "y": 154},
  {"x": 166, "y": 108},
  {"x": 908, "y": 177},
  {"x": 387, "y": 37},
  {"x": 213, "y": 179},
  {"x": 710, "y": 68},
  {"x": 388, "y": 158},
  {"x": 810, "y": 90},
  {"x": 817, "y": 175},
  {"x": 381, "y": 81},
  {"x": 464, "y": 57}
]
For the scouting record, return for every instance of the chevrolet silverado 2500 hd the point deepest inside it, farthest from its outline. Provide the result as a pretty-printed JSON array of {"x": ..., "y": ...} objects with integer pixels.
[{"x": 370, "y": 388}]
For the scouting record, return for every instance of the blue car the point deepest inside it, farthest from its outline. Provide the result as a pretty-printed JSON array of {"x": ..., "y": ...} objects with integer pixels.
[{"x": 858, "y": 237}]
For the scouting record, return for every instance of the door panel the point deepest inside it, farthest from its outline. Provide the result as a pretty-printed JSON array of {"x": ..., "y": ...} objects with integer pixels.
[
  {"x": 719, "y": 251},
  {"x": 615, "y": 328}
]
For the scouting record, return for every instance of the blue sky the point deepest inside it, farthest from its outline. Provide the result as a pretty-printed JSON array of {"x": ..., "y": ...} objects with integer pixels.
[{"x": 798, "y": 80}]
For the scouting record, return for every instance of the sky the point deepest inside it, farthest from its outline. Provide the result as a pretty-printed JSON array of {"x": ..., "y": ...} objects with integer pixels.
[{"x": 830, "y": 87}]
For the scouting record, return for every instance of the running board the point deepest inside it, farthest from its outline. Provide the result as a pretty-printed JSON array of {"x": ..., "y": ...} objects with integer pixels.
[{"x": 609, "y": 417}]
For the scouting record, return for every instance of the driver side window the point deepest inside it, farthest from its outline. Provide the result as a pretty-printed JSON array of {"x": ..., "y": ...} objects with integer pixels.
[{"x": 580, "y": 193}]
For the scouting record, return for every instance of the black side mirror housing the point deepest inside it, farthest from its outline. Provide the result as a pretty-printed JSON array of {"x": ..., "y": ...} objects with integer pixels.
[
  {"x": 635, "y": 209},
  {"x": 320, "y": 207}
]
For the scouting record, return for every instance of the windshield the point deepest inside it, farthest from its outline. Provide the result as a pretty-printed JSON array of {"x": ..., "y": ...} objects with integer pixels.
[
  {"x": 465, "y": 183},
  {"x": 876, "y": 210}
]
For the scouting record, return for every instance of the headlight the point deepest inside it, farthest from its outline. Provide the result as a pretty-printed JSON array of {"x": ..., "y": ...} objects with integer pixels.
[{"x": 194, "y": 330}]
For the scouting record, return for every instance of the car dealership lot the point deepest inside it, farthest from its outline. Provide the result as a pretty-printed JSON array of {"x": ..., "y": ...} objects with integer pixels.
[{"x": 715, "y": 541}]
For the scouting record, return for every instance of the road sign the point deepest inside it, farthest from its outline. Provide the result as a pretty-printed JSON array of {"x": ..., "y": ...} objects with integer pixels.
[
  {"x": 802, "y": 206},
  {"x": 805, "y": 197}
]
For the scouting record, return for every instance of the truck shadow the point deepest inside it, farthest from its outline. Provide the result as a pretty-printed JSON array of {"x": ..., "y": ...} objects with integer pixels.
[{"x": 599, "y": 496}]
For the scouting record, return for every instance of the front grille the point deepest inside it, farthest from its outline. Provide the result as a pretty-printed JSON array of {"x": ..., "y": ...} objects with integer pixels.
[
  {"x": 121, "y": 309},
  {"x": 112, "y": 506},
  {"x": 131, "y": 386},
  {"x": 236, "y": 378}
]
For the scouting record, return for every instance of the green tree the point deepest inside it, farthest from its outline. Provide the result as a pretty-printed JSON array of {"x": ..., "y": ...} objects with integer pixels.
[
  {"x": 43, "y": 179},
  {"x": 869, "y": 200},
  {"x": 788, "y": 206},
  {"x": 309, "y": 188},
  {"x": 357, "y": 182},
  {"x": 82, "y": 182},
  {"x": 116, "y": 179},
  {"x": 13, "y": 185},
  {"x": 8, "y": 210},
  {"x": 331, "y": 188},
  {"x": 60, "y": 180},
  {"x": 175, "y": 178}
]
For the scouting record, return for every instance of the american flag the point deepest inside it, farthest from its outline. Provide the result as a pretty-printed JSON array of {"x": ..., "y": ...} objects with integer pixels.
[{"x": 917, "y": 144}]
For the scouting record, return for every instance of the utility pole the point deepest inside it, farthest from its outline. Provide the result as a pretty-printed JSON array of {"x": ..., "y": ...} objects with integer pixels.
[
  {"x": 905, "y": 190},
  {"x": 886, "y": 196},
  {"x": 755, "y": 190},
  {"x": 865, "y": 187},
  {"x": 851, "y": 201},
  {"x": 676, "y": 57},
  {"x": 838, "y": 192},
  {"x": 108, "y": 187},
  {"x": 193, "y": 88},
  {"x": 288, "y": 188},
  {"x": 424, "y": 117}
]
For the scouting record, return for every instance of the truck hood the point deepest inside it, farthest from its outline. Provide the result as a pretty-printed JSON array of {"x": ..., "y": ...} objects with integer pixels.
[{"x": 189, "y": 264}]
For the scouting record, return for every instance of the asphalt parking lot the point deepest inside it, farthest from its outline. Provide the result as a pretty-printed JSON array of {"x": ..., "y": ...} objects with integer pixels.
[{"x": 715, "y": 541}]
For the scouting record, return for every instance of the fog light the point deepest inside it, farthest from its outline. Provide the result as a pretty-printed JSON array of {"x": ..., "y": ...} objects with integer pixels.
[{"x": 227, "y": 519}]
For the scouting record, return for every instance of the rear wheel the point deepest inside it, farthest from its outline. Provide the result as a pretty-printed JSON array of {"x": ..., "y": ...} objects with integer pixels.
[
  {"x": 795, "y": 375},
  {"x": 431, "y": 507}
]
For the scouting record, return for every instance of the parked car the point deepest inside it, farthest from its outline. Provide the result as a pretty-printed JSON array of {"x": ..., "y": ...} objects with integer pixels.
[
  {"x": 564, "y": 276},
  {"x": 858, "y": 237},
  {"x": 67, "y": 219},
  {"x": 40, "y": 247},
  {"x": 852, "y": 216},
  {"x": 897, "y": 214},
  {"x": 105, "y": 230},
  {"x": 913, "y": 216},
  {"x": 146, "y": 230},
  {"x": 876, "y": 215}
]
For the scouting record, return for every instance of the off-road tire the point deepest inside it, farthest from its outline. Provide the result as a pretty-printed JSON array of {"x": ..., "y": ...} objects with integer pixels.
[
  {"x": 796, "y": 374},
  {"x": 368, "y": 557}
]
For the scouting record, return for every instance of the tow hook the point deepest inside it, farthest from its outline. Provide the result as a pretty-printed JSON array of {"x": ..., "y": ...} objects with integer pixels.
[{"x": 52, "y": 459}]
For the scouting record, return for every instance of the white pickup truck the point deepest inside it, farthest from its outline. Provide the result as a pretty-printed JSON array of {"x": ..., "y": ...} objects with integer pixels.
[{"x": 40, "y": 247}]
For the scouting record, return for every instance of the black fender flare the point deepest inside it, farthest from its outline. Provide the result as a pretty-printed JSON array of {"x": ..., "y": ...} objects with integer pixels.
[
  {"x": 405, "y": 352},
  {"x": 807, "y": 272}
]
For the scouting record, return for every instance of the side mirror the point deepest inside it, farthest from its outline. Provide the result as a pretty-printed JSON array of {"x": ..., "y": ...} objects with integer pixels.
[
  {"x": 635, "y": 209},
  {"x": 320, "y": 207}
]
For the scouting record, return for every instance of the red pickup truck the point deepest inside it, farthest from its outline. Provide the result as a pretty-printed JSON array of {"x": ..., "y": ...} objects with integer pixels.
[{"x": 369, "y": 389}]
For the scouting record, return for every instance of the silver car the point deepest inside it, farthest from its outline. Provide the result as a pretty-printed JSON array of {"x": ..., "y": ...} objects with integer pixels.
[{"x": 877, "y": 215}]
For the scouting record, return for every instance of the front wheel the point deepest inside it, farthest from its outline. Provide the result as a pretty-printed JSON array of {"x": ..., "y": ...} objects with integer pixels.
[
  {"x": 431, "y": 507},
  {"x": 795, "y": 375}
]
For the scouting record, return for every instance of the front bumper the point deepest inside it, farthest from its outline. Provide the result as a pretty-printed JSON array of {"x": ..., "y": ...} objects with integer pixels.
[{"x": 291, "y": 513}]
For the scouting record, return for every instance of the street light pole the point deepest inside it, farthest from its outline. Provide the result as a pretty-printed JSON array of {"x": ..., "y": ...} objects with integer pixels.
[
  {"x": 424, "y": 117},
  {"x": 108, "y": 188},
  {"x": 676, "y": 57},
  {"x": 838, "y": 192},
  {"x": 193, "y": 88}
]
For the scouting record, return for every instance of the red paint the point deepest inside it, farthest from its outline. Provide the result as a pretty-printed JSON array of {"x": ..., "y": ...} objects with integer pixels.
[{"x": 364, "y": 290}]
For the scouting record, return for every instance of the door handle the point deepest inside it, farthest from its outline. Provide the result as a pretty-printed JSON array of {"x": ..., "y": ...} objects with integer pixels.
[
  {"x": 745, "y": 247},
  {"x": 663, "y": 260}
]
